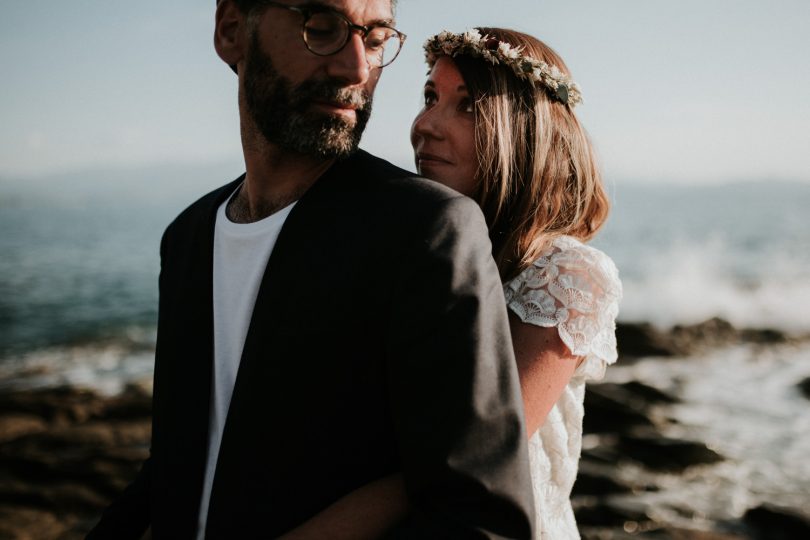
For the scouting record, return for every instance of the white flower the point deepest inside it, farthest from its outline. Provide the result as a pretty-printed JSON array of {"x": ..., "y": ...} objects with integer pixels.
[
  {"x": 472, "y": 36},
  {"x": 506, "y": 50},
  {"x": 529, "y": 69}
]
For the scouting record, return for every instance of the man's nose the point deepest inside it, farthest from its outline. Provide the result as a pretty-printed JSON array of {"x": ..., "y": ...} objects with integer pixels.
[{"x": 350, "y": 64}]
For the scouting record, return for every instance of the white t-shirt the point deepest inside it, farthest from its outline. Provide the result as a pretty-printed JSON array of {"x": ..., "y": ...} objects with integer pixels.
[{"x": 241, "y": 252}]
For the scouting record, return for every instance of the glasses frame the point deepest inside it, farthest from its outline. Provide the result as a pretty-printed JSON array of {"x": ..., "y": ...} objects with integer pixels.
[{"x": 308, "y": 11}]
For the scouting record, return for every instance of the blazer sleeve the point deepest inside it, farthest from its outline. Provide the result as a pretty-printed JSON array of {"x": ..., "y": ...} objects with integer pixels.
[
  {"x": 127, "y": 518},
  {"x": 454, "y": 387}
]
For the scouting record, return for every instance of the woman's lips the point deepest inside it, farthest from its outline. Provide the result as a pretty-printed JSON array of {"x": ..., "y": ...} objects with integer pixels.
[{"x": 425, "y": 158}]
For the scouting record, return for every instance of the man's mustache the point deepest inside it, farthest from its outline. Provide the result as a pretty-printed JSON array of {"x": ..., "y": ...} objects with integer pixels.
[{"x": 332, "y": 92}]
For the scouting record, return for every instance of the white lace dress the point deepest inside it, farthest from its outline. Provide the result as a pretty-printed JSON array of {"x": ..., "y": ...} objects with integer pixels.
[{"x": 576, "y": 289}]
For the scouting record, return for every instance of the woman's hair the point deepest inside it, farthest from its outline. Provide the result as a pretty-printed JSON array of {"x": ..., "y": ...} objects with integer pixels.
[{"x": 537, "y": 173}]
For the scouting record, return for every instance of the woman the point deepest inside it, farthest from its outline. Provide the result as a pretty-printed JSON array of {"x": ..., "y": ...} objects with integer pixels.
[{"x": 498, "y": 125}]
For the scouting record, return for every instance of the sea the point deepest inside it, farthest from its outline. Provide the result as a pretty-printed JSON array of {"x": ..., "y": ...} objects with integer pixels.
[{"x": 78, "y": 305}]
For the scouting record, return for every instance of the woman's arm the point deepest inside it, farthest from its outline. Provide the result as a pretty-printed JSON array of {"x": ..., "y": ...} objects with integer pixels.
[
  {"x": 545, "y": 366},
  {"x": 365, "y": 513}
]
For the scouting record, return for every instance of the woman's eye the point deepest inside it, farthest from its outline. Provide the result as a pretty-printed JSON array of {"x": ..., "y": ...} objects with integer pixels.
[
  {"x": 430, "y": 98},
  {"x": 466, "y": 105}
]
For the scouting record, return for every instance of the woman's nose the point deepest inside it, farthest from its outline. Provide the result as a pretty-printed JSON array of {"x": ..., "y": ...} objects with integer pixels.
[{"x": 426, "y": 124}]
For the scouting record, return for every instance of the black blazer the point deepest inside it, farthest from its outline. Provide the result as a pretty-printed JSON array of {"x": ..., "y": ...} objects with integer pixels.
[{"x": 379, "y": 343}]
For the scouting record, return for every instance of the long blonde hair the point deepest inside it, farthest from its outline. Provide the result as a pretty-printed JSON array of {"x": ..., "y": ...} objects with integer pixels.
[{"x": 537, "y": 173}]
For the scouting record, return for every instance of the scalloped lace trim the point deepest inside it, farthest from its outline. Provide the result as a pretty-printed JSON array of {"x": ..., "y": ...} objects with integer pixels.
[{"x": 576, "y": 288}]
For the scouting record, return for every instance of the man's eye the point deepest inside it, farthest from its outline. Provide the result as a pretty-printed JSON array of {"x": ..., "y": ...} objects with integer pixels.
[
  {"x": 377, "y": 38},
  {"x": 323, "y": 24}
]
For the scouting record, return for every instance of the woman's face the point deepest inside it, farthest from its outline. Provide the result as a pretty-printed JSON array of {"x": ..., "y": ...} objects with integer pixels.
[{"x": 443, "y": 133}]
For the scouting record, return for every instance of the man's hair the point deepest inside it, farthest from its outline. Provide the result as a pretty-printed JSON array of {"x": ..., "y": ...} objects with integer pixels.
[
  {"x": 537, "y": 175},
  {"x": 246, "y": 6}
]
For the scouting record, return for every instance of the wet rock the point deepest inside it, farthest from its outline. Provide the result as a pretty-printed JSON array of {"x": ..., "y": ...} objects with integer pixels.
[
  {"x": 665, "y": 454},
  {"x": 612, "y": 408},
  {"x": 65, "y": 454},
  {"x": 715, "y": 332},
  {"x": 804, "y": 387},
  {"x": 61, "y": 405},
  {"x": 654, "y": 532},
  {"x": 600, "y": 480},
  {"x": 603, "y": 453},
  {"x": 765, "y": 336},
  {"x": 20, "y": 522},
  {"x": 691, "y": 534},
  {"x": 775, "y": 523},
  {"x": 13, "y": 426},
  {"x": 643, "y": 339},
  {"x": 610, "y": 512},
  {"x": 648, "y": 393},
  {"x": 639, "y": 339}
]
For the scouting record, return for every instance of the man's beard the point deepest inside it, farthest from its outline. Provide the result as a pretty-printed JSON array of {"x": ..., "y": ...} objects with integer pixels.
[{"x": 284, "y": 116}]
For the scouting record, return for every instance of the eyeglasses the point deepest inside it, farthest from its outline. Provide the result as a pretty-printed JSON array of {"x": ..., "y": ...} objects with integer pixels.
[{"x": 326, "y": 32}]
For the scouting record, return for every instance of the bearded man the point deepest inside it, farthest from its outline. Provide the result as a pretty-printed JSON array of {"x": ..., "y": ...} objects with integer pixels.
[{"x": 326, "y": 320}]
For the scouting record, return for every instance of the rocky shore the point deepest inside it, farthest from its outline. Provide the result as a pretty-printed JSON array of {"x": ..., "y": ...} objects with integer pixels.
[{"x": 66, "y": 452}]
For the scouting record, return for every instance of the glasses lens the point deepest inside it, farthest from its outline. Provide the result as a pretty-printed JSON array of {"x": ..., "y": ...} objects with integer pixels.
[
  {"x": 325, "y": 33},
  {"x": 382, "y": 46}
]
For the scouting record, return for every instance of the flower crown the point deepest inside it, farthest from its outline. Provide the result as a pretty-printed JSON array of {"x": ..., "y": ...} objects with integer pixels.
[{"x": 472, "y": 43}]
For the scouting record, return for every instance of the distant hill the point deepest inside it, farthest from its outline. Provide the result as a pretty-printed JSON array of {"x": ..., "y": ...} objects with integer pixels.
[{"x": 154, "y": 184}]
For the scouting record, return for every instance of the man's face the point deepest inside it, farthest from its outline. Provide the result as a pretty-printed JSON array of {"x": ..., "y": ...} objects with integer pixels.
[{"x": 309, "y": 104}]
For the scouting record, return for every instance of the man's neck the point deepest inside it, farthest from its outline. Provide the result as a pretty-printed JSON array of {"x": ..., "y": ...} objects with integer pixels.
[{"x": 275, "y": 178}]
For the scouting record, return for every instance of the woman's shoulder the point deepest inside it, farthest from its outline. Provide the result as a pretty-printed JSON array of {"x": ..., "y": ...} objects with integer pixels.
[
  {"x": 576, "y": 288},
  {"x": 571, "y": 254},
  {"x": 570, "y": 263}
]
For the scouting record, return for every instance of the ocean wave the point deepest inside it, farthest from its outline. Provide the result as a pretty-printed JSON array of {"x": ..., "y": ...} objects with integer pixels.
[
  {"x": 106, "y": 367},
  {"x": 689, "y": 282}
]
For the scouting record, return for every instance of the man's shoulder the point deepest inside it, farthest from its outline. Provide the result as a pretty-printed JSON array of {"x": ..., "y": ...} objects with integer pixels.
[
  {"x": 382, "y": 178},
  {"x": 399, "y": 203}
]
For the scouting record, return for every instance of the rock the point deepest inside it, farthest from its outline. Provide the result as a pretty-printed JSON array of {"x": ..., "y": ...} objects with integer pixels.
[
  {"x": 643, "y": 339},
  {"x": 13, "y": 426},
  {"x": 774, "y": 523},
  {"x": 611, "y": 408},
  {"x": 63, "y": 405},
  {"x": 766, "y": 336},
  {"x": 639, "y": 339},
  {"x": 134, "y": 402},
  {"x": 19, "y": 522},
  {"x": 690, "y": 534},
  {"x": 65, "y": 454},
  {"x": 600, "y": 480},
  {"x": 648, "y": 393},
  {"x": 649, "y": 530},
  {"x": 605, "y": 453},
  {"x": 804, "y": 387},
  {"x": 664, "y": 454},
  {"x": 713, "y": 332},
  {"x": 610, "y": 512}
]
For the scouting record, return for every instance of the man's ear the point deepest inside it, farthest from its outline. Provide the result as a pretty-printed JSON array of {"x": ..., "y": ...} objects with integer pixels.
[{"x": 230, "y": 29}]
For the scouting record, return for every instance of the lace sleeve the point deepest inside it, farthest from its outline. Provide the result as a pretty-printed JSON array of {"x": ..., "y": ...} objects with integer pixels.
[{"x": 577, "y": 289}]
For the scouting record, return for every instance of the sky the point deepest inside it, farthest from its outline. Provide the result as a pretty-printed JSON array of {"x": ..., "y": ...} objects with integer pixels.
[{"x": 693, "y": 91}]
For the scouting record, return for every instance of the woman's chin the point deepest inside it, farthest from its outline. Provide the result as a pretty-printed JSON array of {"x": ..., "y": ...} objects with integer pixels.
[{"x": 429, "y": 171}]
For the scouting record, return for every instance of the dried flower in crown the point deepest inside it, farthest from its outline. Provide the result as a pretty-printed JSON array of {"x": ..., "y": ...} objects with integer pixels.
[{"x": 494, "y": 51}]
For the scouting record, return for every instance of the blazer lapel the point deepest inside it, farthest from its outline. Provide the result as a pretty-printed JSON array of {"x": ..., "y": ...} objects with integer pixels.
[
  {"x": 292, "y": 249},
  {"x": 193, "y": 377}
]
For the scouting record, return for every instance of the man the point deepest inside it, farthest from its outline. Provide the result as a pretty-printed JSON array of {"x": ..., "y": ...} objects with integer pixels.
[{"x": 325, "y": 320}]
